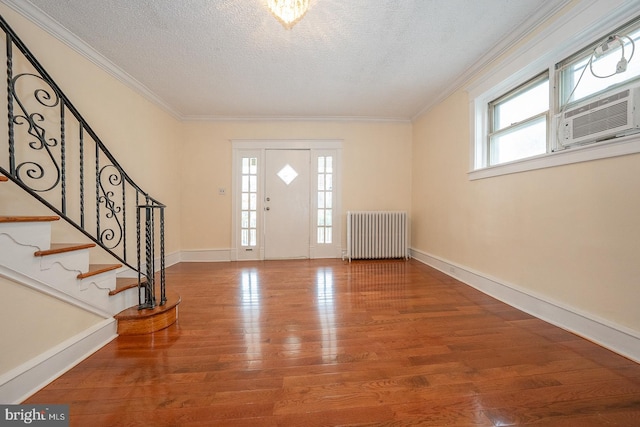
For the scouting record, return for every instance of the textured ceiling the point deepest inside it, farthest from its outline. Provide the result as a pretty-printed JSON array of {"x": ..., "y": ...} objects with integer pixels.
[{"x": 380, "y": 59}]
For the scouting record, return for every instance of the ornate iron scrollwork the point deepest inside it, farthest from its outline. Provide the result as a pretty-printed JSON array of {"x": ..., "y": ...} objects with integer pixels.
[
  {"x": 49, "y": 146},
  {"x": 46, "y": 97},
  {"x": 111, "y": 237}
]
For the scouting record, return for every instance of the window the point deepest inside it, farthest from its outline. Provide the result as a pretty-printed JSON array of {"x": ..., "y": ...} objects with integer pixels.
[
  {"x": 325, "y": 199},
  {"x": 524, "y": 121},
  {"x": 249, "y": 202},
  {"x": 599, "y": 66},
  {"x": 518, "y": 122},
  {"x": 323, "y": 225}
]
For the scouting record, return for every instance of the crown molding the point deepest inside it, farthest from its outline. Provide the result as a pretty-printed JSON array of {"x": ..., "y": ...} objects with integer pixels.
[
  {"x": 57, "y": 30},
  {"x": 296, "y": 119},
  {"x": 54, "y": 28},
  {"x": 518, "y": 34},
  {"x": 583, "y": 23}
]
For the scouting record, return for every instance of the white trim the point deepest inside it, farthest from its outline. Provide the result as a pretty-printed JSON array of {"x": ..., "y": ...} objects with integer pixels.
[
  {"x": 619, "y": 147},
  {"x": 296, "y": 119},
  {"x": 333, "y": 249},
  {"x": 57, "y": 30},
  {"x": 225, "y": 255},
  {"x": 26, "y": 379},
  {"x": 257, "y": 148},
  {"x": 585, "y": 23},
  {"x": 238, "y": 252},
  {"x": 617, "y": 338},
  {"x": 286, "y": 144},
  {"x": 54, "y": 28},
  {"x": 206, "y": 255},
  {"x": 520, "y": 32},
  {"x": 169, "y": 260},
  {"x": 40, "y": 286}
]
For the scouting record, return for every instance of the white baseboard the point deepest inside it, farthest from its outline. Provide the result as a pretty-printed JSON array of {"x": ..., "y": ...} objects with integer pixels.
[
  {"x": 169, "y": 260},
  {"x": 204, "y": 255},
  {"x": 26, "y": 379},
  {"x": 172, "y": 259},
  {"x": 617, "y": 338},
  {"x": 45, "y": 288},
  {"x": 227, "y": 255},
  {"x": 207, "y": 255}
]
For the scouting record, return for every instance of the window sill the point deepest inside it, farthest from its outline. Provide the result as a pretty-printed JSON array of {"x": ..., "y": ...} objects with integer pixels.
[{"x": 613, "y": 148}]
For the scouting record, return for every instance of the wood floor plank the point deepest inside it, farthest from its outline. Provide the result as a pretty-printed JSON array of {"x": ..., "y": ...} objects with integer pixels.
[{"x": 327, "y": 342}]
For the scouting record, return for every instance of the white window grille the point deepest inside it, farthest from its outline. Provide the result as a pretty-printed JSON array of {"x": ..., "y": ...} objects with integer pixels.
[
  {"x": 518, "y": 122},
  {"x": 249, "y": 202},
  {"x": 325, "y": 200},
  {"x": 590, "y": 74}
]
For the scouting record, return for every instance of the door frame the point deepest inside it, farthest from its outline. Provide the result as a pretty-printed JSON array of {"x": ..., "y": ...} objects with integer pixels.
[{"x": 257, "y": 148}]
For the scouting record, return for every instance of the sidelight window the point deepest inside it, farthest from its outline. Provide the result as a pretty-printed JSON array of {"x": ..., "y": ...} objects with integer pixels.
[
  {"x": 249, "y": 202},
  {"x": 325, "y": 200}
]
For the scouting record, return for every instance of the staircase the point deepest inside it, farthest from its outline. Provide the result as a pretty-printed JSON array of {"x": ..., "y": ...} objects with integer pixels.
[
  {"x": 65, "y": 268},
  {"x": 52, "y": 159}
]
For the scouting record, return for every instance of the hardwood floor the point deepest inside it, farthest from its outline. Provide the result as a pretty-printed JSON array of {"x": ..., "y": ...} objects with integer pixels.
[{"x": 324, "y": 342}]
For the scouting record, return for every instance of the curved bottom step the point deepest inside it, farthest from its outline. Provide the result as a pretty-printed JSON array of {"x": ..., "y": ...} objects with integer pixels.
[{"x": 137, "y": 322}]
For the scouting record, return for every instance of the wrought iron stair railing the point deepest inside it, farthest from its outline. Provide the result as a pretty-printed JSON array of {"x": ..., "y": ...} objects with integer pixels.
[{"x": 54, "y": 155}]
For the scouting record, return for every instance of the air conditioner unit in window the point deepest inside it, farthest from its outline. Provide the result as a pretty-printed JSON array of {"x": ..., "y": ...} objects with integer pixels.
[{"x": 612, "y": 114}]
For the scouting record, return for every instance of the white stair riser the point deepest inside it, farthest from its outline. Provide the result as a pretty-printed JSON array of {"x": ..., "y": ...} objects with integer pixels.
[
  {"x": 105, "y": 281},
  {"x": 17, "y": 255},
  {"x": 123, "y": 300},
  {"x": 77, "y": 260},
  {"x": 36, "y": 234},
  {"x": 19, "y": 242},
  {"x": 58, "y": 269}
]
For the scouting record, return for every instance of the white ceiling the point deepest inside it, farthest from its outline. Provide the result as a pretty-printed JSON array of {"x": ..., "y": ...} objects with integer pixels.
[{"x": 374, "y": 59}]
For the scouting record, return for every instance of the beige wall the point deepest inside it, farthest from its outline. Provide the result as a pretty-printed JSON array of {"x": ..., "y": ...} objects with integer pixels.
[
  {"x": 376, "y": 169},
  {"x": 184, "y": 164},
  {"x": 143, "y": 138},
  {"x": 36, "y": 333},
  {"x": 569, "y": 234}
]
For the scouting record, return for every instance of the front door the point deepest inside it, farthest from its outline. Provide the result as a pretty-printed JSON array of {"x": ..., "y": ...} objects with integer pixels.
[{"x": 286, "y": 204}]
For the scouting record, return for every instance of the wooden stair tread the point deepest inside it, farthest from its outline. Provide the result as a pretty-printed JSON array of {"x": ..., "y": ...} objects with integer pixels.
[
  {"x": 3, "y": 178},
  {"x": 173, "y": 299},
  {"x": 124, "y": 283},
  {"x": 95, "y": 269},
  {"x": 58, "y": 248},
  {"x": 7, "y": 219},
  {"x": 136, "y": 322}
]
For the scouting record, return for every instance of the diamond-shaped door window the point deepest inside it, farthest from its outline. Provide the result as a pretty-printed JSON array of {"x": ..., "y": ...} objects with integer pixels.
[{"x": 287, "y": 174}]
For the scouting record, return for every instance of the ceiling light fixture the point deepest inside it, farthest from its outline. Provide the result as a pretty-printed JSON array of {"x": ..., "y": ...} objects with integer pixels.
[{"x": 288, "y": 12}]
